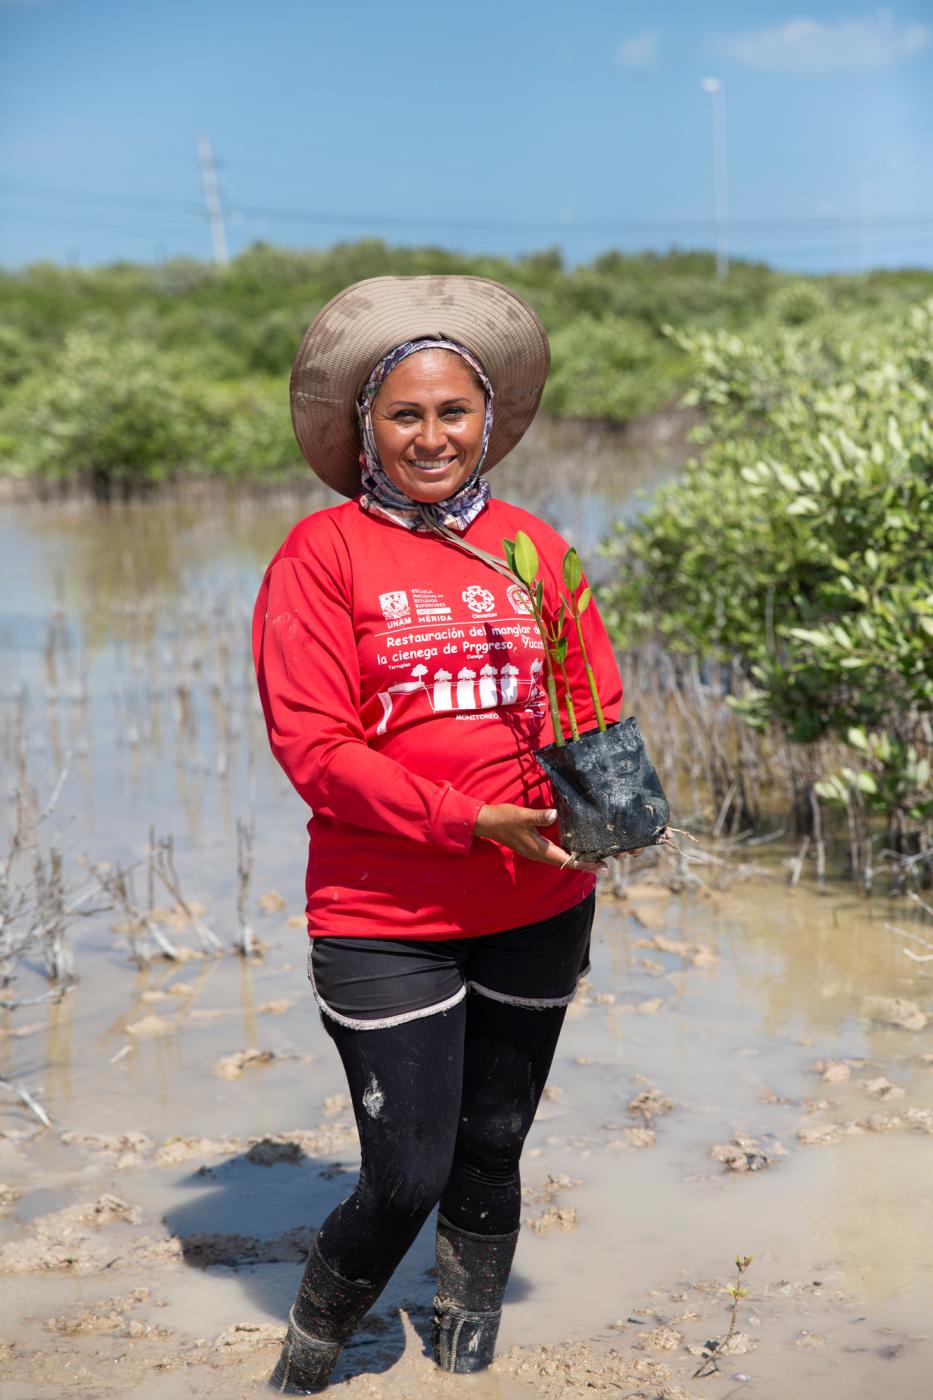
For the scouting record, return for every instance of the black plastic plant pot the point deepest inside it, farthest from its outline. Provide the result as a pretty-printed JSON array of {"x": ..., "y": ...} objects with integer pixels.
[{"x": 606, "y": 791}]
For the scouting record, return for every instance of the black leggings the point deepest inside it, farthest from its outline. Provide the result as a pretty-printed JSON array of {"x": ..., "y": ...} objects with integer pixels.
[{"x": 443, "y": 1105}]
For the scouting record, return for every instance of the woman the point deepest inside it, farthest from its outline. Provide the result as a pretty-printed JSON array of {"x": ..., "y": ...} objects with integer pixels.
[{"x": 401, "y": 680}]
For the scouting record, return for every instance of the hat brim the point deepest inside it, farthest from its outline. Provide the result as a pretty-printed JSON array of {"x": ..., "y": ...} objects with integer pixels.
[{"x": 363, "y": 323}]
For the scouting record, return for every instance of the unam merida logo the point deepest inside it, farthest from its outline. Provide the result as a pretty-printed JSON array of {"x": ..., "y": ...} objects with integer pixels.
[{"x": 394, "y": 605}]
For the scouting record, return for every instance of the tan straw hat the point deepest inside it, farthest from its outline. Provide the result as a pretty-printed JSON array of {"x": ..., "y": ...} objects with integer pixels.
[{"x": 353, "y": 332}]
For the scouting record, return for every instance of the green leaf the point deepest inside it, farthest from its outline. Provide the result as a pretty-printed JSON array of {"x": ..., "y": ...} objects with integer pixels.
[
  {"x": 858, "y": 739},
  {"x": 584, "y": 601},
  {"x": 866, "y": 783},
  {"x": 806, "y": 634},
  {"x": 573, "y": 570},
  {"x": 508, "y": 549},
  {"x": 526, "y": 558},
  {"x": 539, "y": 594},
  {"x": 786, "y": 478}
]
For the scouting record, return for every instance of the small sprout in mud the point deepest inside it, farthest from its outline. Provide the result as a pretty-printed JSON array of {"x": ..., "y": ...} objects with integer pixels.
[{"x": 713, "y": 1350}]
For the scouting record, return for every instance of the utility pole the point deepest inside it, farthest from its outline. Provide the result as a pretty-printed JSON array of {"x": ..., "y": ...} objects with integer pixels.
[
  {"x": 212, "y": 200},
  {"x": 721, "y": 195}
]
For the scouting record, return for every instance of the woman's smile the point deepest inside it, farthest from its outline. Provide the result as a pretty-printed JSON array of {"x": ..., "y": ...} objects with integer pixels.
[
  {"x": 428, "y": 420},
  {"x": 433, "y": 464}
]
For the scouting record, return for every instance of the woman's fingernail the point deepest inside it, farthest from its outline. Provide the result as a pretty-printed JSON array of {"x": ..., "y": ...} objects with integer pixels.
[{"x": 551, "y": 815}]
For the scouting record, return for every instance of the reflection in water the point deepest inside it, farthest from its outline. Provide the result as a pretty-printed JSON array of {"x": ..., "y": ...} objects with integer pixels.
[{"x": 119, "y": 567}]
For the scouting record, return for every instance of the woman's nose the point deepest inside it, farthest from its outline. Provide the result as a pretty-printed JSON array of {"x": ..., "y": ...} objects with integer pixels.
[{"x": 431, "y": 436}]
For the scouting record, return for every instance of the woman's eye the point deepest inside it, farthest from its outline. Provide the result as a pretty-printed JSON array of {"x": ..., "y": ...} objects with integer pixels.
[
  {"x": 404, "y": 415},
  {"x": 454, "y": 412}
]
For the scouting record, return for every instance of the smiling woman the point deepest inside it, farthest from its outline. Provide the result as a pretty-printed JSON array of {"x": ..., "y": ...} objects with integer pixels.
[
  {"x": 428, "y": 424},
  {"x": 448, "y": 928}
]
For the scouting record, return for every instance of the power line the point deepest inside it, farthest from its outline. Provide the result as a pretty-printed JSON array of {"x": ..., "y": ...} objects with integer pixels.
[
  {"x": 757, "y": 224},
  {"x": 100, "y": 197}
]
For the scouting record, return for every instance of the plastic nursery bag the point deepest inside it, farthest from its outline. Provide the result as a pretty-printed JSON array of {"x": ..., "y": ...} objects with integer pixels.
[{"x": 606, "y": 791}]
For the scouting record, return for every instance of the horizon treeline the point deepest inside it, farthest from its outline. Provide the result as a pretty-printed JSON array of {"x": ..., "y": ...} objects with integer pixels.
[{"x": 119, "y": 376}]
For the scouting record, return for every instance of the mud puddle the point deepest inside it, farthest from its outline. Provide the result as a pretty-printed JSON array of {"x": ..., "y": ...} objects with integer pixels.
[
  {"x": 154, "y": 1235},
  {"x": 749, "y": 1071}
]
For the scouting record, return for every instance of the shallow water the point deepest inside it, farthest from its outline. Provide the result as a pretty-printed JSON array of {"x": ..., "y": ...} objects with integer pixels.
[{"x": 124, "y": 653}]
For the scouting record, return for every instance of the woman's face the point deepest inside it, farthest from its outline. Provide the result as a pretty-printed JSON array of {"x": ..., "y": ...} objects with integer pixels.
[{"x": 428, "y": 419}]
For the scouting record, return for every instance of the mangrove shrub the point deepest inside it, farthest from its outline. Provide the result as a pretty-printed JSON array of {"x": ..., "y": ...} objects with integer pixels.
[{"x": 799, "y": 544}]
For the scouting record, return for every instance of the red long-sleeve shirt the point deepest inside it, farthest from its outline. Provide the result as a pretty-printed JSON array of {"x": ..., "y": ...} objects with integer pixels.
[{"x": 401, "y": 682}]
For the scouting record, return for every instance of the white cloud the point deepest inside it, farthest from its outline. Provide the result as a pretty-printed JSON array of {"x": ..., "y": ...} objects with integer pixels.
[
  {"x": 639, "y": 51},
  {"x": 863, "y": 45}
]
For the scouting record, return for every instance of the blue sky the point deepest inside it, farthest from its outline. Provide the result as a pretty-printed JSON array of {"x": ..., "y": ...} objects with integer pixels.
[{"x": 494, "y": 125}]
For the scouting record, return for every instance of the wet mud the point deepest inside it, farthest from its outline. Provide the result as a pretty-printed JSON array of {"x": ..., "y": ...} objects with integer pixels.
[
  {"x": 747, "y": 1071},
  {"x": 154, "y": 1235}
]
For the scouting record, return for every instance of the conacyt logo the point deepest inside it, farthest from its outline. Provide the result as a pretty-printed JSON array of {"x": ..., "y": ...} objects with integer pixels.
[{"x": 478, "y": 600}]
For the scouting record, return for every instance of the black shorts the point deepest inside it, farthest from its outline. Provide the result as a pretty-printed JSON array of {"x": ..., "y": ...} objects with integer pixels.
[{"x": 372, "y": 983}]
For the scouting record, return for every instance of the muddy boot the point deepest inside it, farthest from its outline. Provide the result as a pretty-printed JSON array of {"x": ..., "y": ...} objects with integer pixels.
[
  {"x": 472, "y": 1272},
  {"x": 325, "y": 1313}
]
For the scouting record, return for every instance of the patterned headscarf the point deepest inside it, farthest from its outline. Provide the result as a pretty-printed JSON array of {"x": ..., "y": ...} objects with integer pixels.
[{"x": 380, "y": 495}]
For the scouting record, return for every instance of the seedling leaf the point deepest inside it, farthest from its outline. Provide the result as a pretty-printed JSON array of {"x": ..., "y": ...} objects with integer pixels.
[{"x": 526, "y": 558}]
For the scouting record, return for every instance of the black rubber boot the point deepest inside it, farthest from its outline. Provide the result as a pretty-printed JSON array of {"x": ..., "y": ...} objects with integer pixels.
[
  {"x": 325, "y": 1313},
  {"x": 472, "y": 1272}
]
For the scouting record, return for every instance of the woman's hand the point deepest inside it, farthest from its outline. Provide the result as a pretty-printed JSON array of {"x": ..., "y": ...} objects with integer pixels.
[{"x": 517, "y": 828}]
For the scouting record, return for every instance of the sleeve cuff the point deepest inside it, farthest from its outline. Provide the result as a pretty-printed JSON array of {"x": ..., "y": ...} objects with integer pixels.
[{"x": 455, "y": 821}]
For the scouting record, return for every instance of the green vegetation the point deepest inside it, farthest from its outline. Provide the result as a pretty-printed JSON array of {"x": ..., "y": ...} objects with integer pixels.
[
  {"x": 129, "y": 375},
  {"x": 792, "y": 558},
  {"x": 797, "y": 549}
]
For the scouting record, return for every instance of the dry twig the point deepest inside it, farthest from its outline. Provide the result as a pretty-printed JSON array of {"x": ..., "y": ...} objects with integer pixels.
[{"x": 24, "y": 1095}]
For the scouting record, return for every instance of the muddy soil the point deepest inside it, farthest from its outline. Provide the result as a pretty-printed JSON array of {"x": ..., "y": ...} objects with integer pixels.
[
  {"x": 749, "y": 1070},
  {"x": 721, "y": 1087}
]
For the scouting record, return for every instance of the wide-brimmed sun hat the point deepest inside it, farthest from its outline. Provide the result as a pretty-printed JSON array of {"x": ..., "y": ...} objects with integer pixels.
[{"x": 360, "y": 325}]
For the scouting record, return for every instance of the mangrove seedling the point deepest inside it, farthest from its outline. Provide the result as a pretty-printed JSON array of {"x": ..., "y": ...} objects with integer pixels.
[
  {"x": 607, "y": 794},
  {"x": 713, "y": 1350},
  {"x": 573, "y": 577},
  {"x": 522, "y": 558}
]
